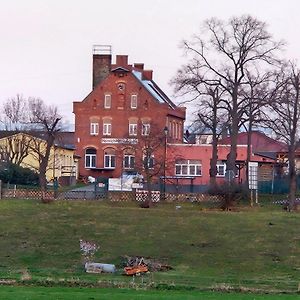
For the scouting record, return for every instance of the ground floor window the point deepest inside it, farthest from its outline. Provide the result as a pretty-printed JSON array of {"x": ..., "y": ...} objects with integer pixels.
[
  {"x": 109, "y": 159},
  {"x": 221, "y": 168},
  {"x": 148, "y": 161},
  {"x": 90, "y": 158},
  {"x": 188, "y": 167},
  {"x": 129, "y": 161}
]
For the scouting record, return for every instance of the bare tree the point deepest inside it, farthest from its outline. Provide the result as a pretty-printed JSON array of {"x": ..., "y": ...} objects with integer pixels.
[
  {"x": 14, "y": 112},
  {"x": 47, "y": 120},
  {"x": 212, "y": 118},
  {"x": 39, "y": 124},
  {"x": 256, "y": 94},
  {"x": 151, "y": 160},
  {"x": 221, "y": 56},
  {"x": 283, "y": 118},
  {"x": 15, "y": 148}
]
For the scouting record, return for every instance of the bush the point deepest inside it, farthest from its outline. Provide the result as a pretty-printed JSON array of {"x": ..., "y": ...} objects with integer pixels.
[
  {"x": 232, "y": 193},
  {"x": 14, "y": 174}
]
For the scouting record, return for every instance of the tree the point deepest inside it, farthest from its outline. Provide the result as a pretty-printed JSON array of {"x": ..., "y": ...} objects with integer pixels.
[
  {"x": 283, "y": 118},
  {"x": 14, "y": 110},
  {"x": 256, "y": 94},
  {"x": 211, "y": 117},
  {"x": 151, "y": 160},
  {"x": 40, "y": 123},
  {"x": 47, "y": 120},
  {"x": 220, "y": 57}
]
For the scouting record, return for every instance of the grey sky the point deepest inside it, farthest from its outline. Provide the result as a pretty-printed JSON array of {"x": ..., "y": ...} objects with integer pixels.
[{"x": 46, "y": 45}]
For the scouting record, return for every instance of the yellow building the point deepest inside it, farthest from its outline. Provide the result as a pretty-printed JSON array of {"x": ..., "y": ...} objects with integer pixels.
[{"x": 26, "y": 149}]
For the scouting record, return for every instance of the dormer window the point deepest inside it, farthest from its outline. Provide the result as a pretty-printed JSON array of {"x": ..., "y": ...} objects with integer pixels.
[{"x": 133, "y": 102}]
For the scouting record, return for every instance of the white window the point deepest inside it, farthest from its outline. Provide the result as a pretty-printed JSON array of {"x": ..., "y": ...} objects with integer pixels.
[
  {"x": 129, "y": 161},
  {"x": 109, "y": 159},
  {"x": 106, "y": 128},
  {"x": 188, "y": 167},
  {"x": 94, "y": 129},
  {"x": 132, "y": 129},
  {"x": 221, "y": 168},
  {"x": 148, "y": 161},
  {"x": 107, "y": 101},
  {"x": 145, "y": 129},
  {"x": 133, "y": 102},
  {"x": 90, "y": 158}
]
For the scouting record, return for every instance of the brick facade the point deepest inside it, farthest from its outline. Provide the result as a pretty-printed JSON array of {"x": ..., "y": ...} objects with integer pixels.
[{"x": 123, "y": 107}]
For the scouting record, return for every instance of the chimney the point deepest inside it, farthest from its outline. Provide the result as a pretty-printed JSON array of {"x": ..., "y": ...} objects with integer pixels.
[
  {"x": 147, "y": 74},
  {"x": 139, "y": 66},
  {"x": 101, "y": 63},
  {"x": 122, "y": 60}
]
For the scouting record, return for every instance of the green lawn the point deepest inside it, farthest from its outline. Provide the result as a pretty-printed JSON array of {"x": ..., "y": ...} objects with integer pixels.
[
  {"x": 255, "y": 249},
  {"x": 43, "y": 293}
]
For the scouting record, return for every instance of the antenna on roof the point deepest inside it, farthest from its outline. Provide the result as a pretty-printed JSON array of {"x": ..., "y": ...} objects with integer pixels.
[{"x": 102, "y": 49}]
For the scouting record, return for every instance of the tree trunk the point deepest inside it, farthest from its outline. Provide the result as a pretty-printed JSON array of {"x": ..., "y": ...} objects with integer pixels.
[
  {"x": 231, "y": 159},
  {"x": 292, "y": 178},
  {"x": 43, "y": 167},
  {"x": 213, "y": 163}
]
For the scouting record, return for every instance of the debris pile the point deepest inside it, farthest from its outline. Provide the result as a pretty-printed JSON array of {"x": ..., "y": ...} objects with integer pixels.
[{"x": 138, "y": 264}]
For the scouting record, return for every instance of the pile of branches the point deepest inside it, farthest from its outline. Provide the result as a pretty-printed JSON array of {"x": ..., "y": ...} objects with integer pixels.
[{"x": 153, "y": 265}]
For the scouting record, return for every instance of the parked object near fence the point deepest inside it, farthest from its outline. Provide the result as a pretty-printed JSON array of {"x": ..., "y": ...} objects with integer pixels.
[{"x": 92, "y": 267}]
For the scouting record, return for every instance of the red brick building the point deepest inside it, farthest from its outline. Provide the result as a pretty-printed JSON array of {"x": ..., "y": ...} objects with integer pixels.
[{"x": 124, "y": 106}]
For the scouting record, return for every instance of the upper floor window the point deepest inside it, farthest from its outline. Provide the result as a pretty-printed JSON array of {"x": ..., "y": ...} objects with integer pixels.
[
  {"x": 133, "y": 102},
  {"x": 107, "y": 101},
  {"x": 90, "y": 158},
  {"x": 132, "y": 128},
  {"x": 94, "y": 128},
  {"x": 188, "y": 167},
  {"x": 145, "y": 129},
  {"x": 109, "y": 159},
  {"x": 107, "y": 127}
]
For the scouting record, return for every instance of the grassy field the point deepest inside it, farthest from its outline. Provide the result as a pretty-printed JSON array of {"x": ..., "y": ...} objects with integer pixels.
[
  {"x": 44, "y": 293},
  {"x": 256, "y": 250}
]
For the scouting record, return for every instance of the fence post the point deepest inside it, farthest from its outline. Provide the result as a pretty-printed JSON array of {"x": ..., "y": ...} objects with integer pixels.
[{"x": 0, "y": 189}]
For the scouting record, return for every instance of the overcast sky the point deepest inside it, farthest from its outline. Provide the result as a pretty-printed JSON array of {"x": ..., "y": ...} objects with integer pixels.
[{"x": 46, "y": 45}]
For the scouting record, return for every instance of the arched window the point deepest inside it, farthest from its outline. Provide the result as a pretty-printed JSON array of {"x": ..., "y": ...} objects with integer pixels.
[
  {"x": 109, "y": 158},
  {"x": 129, "y": 159},
  {"x": 90, "y": 157}
]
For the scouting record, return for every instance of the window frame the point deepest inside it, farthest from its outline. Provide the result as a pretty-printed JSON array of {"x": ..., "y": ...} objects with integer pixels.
[
  {"x": 94, "y": 128},
  {"x": 150, "y": 162},
  {"x": 107, "y": 127},
  {"x": 146, "y": 129},
  {"x": 111, "y": 159},
  {"x": 91, "y": 158},
  {"x": 130, "y": 164},
  {"x": 133, "y": 100},
  {"x": 107, "y": 101},
  {"x": 132, "y": 129},
  {"x": 218, "y": 165},
  {"x": 183, "y": 167}
]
